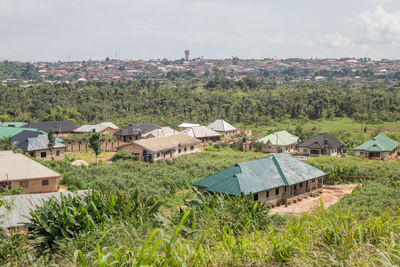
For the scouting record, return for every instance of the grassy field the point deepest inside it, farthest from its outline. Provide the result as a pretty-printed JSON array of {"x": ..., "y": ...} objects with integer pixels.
[
  {"x": 332, "y": 125},
  {"x": 167, "y": 180}
]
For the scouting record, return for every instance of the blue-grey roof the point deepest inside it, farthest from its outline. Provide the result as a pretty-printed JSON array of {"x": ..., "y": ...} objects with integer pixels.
[
  {"x": 55, "y": 126},
  {"x": 137, "y": 129},
  {"x": 40, "y": 142},
  {"x": 260, "y": 175}
]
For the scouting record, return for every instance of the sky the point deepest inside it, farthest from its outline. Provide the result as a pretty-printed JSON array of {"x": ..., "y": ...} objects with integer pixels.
[{"x": 52, "y": 30}]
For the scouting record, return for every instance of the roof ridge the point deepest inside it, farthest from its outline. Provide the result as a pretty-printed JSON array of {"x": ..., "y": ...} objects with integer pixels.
[{"x": 279, "y": 170}]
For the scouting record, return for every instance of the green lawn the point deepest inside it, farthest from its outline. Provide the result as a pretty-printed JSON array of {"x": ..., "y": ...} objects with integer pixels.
[{"x": 332, "y": 125}]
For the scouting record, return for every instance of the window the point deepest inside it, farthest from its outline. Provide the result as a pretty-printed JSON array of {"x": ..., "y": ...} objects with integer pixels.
[
  {"x": 185, "y": 149},
  {"x": 301, "y": 184},
  {"x": 158, "y": 155},
  {"x": 42, "y": 154},
  {"x": 277, "y": 191},
  {"x": 307, "y": 184},
  {"x": 192, "y": 147},
  {"x": 295, "y": 186},
  {"x": 255, "y": 197},
  {"x": 285, "y": 188},
  {"x": 45, "y": 182},
  {"x": 179, "y": 150},
  {"x": 304, "y": 150},
  {"x": 24, "y": 184},
  {"x": 267, "y": 194},
  {"x": 58, "y": 153}
]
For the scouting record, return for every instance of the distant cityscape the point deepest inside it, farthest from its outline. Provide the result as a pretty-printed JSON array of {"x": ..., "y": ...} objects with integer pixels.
[{"x": 358, "y": 71}]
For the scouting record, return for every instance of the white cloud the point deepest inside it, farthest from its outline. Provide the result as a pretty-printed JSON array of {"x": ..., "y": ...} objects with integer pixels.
[
  {"x": 336, "y": 40},
  {"x": 381, "y": 26}
]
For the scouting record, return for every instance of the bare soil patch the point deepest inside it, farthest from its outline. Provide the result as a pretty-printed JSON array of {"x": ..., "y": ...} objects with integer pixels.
[{"x": 330, "y": 195}]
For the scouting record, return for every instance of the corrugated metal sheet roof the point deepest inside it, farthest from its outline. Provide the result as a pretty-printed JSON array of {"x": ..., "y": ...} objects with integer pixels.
[
  {"x": 200, "y": 132},
  {"x": 221, "y": 126},
  {"x": 20, "y": 205},
  {"x": 12, "y": 131},
  {"x": 281, "y": 138},
  {"x": 260, "y": 175},
  {"x": 41, "y": 142},
  {"x": 55, "y": 126},
  {"x": 137, "y": 129},
  {"x": 163, "y": 131},
  {"x": 165, "y": 143},
  {"x": 321, "y": 141},
  {"x": 16, "y": 166},
  {"x": 97, "y": 127},
  {"x": 188, "y": 125},
  {"x": 379, "y": 143}
]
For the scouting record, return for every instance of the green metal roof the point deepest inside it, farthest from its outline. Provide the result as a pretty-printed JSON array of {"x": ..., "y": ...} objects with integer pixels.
[
  {"x": 11, "y": 131},
  {"x": 12, "y": 123},
  {"x": 260, "y": 175},
  {"x": 281, "y": 138},
  {"x": 379, "y": 143}
]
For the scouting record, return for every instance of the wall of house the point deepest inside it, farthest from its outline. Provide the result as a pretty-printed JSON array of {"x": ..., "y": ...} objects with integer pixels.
[
  {"x": 83, "y": 145},
  {"x": 132, "y": 148},
  {"x": 291, "y": 191},
  {"x": 36, "y": 185},
  {"x": 108, "y": 130},
  {"x": 275, "y": 149},
  {"x": 176, "y": 153},
  {"x": 227, "y": 133},
  {"x": 64, "y": 134},
  {"x": 58, "y": 154},
  {"x": 136, "y": 149},
  {"x": 305, "y": 151},
  {"x": 383, "y": 155},
  {"x": 206, "y": 139},
  {"x": 361, "y": 153}
]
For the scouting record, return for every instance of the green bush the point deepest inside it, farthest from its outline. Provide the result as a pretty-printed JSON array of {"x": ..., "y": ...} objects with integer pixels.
[
  {"x": 62, "y": 219},
  {"x": 123, "y": 155}
]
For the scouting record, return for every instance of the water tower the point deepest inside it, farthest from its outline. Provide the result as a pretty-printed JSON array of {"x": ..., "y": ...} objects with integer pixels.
[{"x": 187, "y": 53}]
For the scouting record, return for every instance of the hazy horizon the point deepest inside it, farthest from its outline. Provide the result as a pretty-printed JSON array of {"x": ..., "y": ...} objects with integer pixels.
[{"x": 48, "y": 30}]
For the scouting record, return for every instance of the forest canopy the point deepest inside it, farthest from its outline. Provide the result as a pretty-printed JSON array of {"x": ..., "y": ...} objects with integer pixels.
[{"x": 246, "y": 101}]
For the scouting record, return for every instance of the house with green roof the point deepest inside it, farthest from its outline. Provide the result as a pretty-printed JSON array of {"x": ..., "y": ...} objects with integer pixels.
[
  {"x": 275, "y": 178},
  {"x": 12, "y": 131},
  {"x": 379, "y": 147},
  {"x": 279, "y": 142}
]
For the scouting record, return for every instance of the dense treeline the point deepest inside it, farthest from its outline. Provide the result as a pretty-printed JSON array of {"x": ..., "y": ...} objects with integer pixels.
[
  {"x": 17, "y": 70},
  {"x": 247, "y": 101}
]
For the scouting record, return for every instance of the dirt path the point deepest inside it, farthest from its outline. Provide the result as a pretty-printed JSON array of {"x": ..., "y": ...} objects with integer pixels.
[{"x": 330, "y": 195}]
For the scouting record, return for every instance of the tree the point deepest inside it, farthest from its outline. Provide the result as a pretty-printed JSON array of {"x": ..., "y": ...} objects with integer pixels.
[
  {"x": 94, "y": 142},
  {"x": 6, "y": 144},
  {"x": 52, "y": 142}
]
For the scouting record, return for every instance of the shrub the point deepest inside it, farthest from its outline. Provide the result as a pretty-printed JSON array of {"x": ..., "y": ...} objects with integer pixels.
[
  {"x": 65, "y": 218},
  {"x": 123, "y": 155}
]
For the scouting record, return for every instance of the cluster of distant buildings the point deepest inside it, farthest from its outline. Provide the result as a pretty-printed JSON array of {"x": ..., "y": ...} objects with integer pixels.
[
  {"x": 151, "y": 142},
  {"x": 344, "y": 69},
  {"x": 277, "y": 179}
]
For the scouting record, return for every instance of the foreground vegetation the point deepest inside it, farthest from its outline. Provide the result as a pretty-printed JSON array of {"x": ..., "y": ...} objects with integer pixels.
[
  {"x": 218, "y": 230},
  {"x": 157, "y": 219},
  {"x": 169, "y": 181}
]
